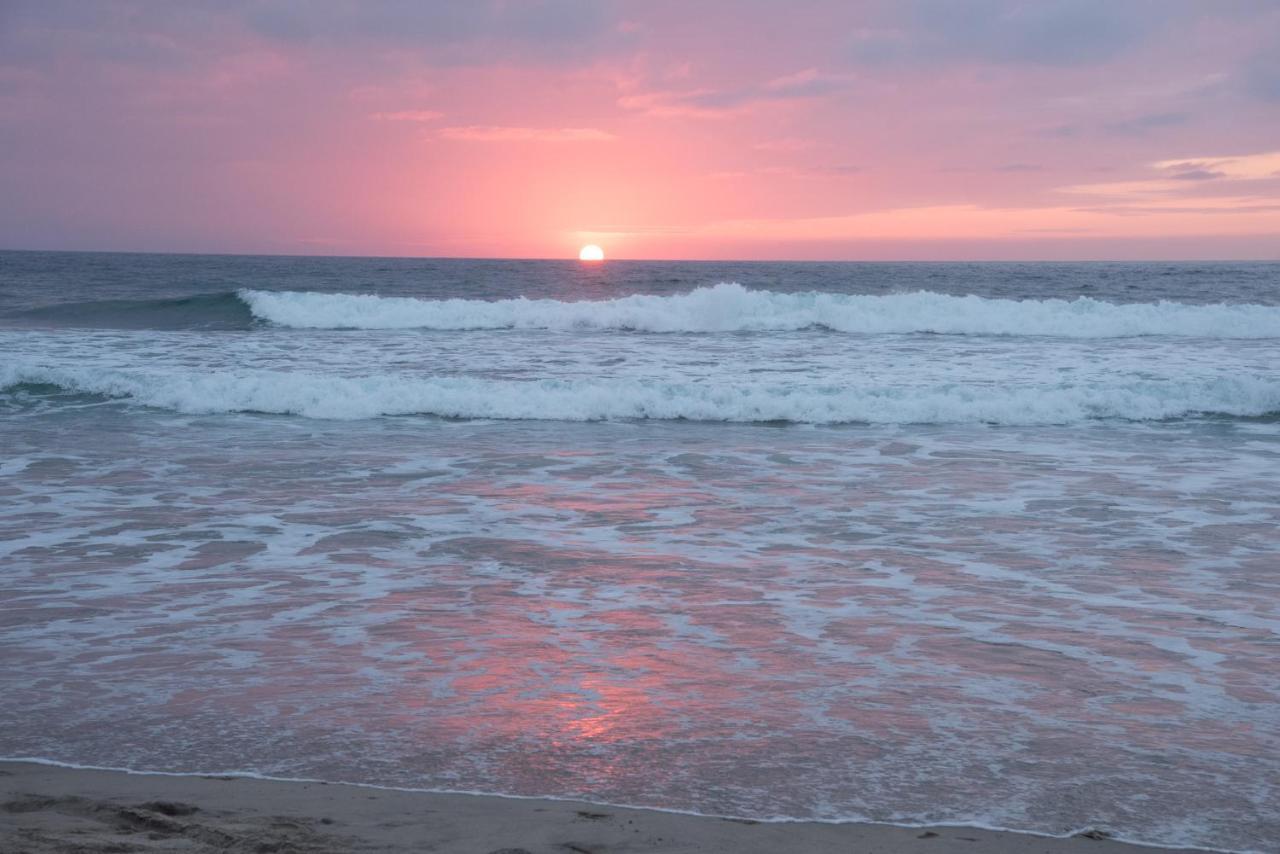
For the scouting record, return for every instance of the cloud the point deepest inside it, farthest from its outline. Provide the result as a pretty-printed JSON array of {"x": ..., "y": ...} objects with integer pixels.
[
  {"x": 809, "y": 83},
  {"x": 408, "y": 116},
  {"x": 833, "y": 171},
  {"x": 1003, "y": 167},
  {"x": 1223, "y": 206},
  {"x": 1243, "y": 167},
  {"x": 1192, "y": 217},
  {"x": 668, "y": 104},
  {"x": 436, "y": 22},
  {"x": 1144, "y": 124},
  {"x": 1039, "y": 32},
  {"x": 630, "y": 230},
  {"x": 1199, "y": 175},
  {"x": 717, "y": 103},
  {"x": 1181, "y": 175},
  {"x": 1059, "y": 132},
  {"x": 38, "y": 34},
  {"x": 493, "y": 133},
  {"x": 439, "y": 32},
  {"x": 787, "y": 143},
  {"x": 1261, "y": 75},
  {"x": 841, "y": 170},
  {"x": 1125, "y": 189}
]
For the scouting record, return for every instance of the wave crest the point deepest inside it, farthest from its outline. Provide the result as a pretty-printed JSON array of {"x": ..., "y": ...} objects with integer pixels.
[
  {"x": 732, "y": 308},
  {"x": 335, "y": 397}
]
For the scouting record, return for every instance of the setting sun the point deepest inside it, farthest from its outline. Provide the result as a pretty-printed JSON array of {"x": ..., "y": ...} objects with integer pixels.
[{"x": 591, "y": 252}]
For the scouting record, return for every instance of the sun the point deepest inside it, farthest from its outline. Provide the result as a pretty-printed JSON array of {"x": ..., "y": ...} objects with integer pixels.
[{"x": 591, "y": 252}]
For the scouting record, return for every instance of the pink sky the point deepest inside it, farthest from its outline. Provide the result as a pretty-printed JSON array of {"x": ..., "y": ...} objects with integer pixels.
[{"x": 811, "y": 129}]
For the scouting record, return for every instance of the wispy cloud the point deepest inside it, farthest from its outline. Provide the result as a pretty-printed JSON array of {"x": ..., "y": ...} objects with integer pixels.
[
  {"x": 1244, "y": 167},
  {"x": 443, "y": 31},
  {"x": 974, "y": 222},
  {"x": 1004, "y": 32},
  {"x": 494, "y": 133},
  {"x": 1261, "y": 76},
  {"x": 408, "y": 116},
  {"x": 630, "y": 230},
  {"x": 1124, "y": 189},
  {"x": 809, "y": 83},
  {"x": 670, "y": 104},
  {"x": 788, "y": 143},
  {"x": 1184, "y": 174},
  {"x": 1199, "y": 175},
  {"x": 1224, "y": 206},
  {"x": 717, "y": 103},
  {"x": 832, "y": 171},
  {"x": 1144, "y": 124}
]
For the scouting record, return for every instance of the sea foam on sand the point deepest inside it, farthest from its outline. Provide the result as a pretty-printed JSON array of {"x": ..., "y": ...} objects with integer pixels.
[{"x": 46, "y": 809}]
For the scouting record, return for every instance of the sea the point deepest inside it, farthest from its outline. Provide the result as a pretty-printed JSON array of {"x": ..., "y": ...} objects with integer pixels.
[{"x": 995, "y": 544}]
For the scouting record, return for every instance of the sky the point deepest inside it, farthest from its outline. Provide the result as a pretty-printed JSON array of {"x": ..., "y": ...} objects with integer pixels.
[{"x": 701, "y": 129}]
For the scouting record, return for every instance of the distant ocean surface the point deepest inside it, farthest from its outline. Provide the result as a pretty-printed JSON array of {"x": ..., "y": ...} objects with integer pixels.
[{"x": 995, "y": 544}]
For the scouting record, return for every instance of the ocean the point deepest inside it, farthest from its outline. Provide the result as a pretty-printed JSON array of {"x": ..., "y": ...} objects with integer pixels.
[{"x": 994, "y": 544}]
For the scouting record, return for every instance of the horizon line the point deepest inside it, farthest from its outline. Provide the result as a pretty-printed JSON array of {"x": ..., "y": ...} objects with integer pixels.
[{"x": 607, "y": 259}]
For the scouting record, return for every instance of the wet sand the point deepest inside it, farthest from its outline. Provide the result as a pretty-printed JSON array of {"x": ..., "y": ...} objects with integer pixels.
[{"x": 45, "y": 809}]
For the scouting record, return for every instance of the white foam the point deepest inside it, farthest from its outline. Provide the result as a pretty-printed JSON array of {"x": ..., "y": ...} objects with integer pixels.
[
  {"x": 733, "y": 308},
  {"x": 977, "y": 822},
  {"x": 337, "y": 397}
]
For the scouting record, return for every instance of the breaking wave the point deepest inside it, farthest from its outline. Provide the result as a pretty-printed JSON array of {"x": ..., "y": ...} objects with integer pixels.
[
  {"x": 335, "y": 397},
  {"x": 722, "y": 308},
  {"x": 733, "y": 308}
]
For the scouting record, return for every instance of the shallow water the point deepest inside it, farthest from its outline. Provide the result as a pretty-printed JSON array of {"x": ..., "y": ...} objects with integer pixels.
[{"x": 774, "y": 569}]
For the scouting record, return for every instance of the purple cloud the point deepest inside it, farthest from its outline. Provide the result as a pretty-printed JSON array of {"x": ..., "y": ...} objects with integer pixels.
[
  {"x": 1146, "y": 123},
  {"x": 1033, "y": 32}
]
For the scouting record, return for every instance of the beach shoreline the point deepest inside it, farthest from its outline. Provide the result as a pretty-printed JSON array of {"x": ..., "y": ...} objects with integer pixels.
[{"x": 48, "y": 808}]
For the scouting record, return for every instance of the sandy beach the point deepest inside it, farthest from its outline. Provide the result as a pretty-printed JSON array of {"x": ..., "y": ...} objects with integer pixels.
[{"x": 47, "y": 809}]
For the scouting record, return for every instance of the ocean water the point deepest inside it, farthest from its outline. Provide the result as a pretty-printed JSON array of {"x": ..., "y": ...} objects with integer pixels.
[{"x": 994, "y": 544}]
